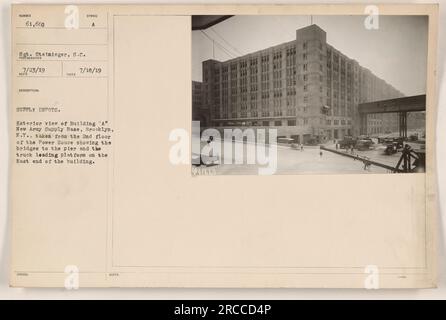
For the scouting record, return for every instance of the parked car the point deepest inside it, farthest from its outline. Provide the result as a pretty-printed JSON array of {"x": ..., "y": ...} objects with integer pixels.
[
  {"x": 364, "y": 144},
  {"x": 347, "y": 142},
  {"x": 391, "y": 148}
]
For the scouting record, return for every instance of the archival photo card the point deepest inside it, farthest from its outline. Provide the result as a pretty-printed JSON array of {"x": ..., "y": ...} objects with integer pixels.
[{"x": 170, "y": 146}]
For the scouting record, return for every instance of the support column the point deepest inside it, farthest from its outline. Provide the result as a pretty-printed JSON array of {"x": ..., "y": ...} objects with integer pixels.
[
  {"x": 403, "y": 124},
  {"x": 363, "y": 124}
]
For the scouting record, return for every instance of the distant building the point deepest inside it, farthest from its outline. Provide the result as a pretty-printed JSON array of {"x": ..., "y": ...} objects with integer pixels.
[
  {"x": 416, "y": 121},
  {"x": 305, "y": 88}
]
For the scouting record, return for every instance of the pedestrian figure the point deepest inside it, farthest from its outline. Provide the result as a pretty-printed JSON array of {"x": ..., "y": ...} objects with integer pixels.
[
  {"x": 213, "y": 157},
  {"x": 367, "y": 164},
  {"x": 337, "y": 146},
  {"x": 320, "y": 153},
  {"x": 211, "y": 145},
  {"x": 301, "y": 147}
]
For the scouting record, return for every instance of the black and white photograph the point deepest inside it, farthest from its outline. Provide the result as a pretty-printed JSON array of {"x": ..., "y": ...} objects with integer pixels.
[{"x": 309, "y": 94}]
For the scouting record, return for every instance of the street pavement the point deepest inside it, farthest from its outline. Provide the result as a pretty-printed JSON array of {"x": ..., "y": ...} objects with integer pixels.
[{"x": 308, "y": 161}]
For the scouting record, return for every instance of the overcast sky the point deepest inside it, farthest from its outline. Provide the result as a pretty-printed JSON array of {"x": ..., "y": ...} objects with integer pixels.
[{"x": 396, "y": 52}]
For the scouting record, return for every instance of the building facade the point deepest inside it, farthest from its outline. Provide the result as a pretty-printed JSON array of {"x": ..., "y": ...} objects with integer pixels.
[
  {"x": 200, "y": 111},
  {"x": 305, "y": 88}
]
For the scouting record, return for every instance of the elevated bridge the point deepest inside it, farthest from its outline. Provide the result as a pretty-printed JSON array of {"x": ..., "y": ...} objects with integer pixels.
[
  {"x": 206, "y": 21},
  {"x": 399, "y": 105}
]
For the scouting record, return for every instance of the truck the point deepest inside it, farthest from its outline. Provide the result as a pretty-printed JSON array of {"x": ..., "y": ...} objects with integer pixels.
[{"x": 347, "y": 142}]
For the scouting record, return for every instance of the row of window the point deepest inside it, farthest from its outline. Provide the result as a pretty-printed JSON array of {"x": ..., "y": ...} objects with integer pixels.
[
  {"x": 290, "y": 76},
  {"x": 336, "y": 122},
  {"x": 265, "y": 67},
  {"x": 276, "y": 123}
]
